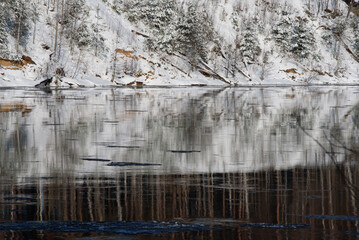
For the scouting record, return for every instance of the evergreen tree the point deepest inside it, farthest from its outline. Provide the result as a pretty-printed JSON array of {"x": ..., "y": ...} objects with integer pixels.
[
  {"x": 282, "y": 31},
  {"x": 82, "y": 35},
  {"x": 159, "y": 13},
  {"x": 302, "y": 41},
  {"x": 190, "y": 35},
  {"x": 19, "y": 21},
  {"x": 172, "y": 29},
  {"x": 355, "y": 28},
  {"x": 161, "y": 18},
  {"x": 294, "y": 37},
  {"x": 75, "y": 23},
  {"x": 356, "y": 44},
  {"x": 97, "y": 40},
  {"x": 165, "y": 39},
  {"x": 249, "y": 44},
  {"x": 35, "y": 16},
  {"x": 3, "y": 33},
  {"x": 153, "y": 13},
  {"x": 135, "y": 10},
  {"x": 15, "y": 17}
]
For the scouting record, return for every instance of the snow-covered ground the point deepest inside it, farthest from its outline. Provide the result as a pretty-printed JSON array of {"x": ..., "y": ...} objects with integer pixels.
[{"x": 127, "y": 49}]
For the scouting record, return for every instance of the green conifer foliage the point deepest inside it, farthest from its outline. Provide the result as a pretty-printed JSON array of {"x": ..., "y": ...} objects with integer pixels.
[
  {"x": 249, "y": 44},
  {"x": 282, "y": 31},
  {"x": 172, "y": 28},
  {"x": 190, "y": 35},
  {"x": 356, "y": 44},
  {"x": 15, "y": 18},
  {"x": 3, "y": 33},
  {"x": 355, "y": 28},
  {"x": 294, "y": 37},
  {"x": 77, "y": 27},
  {"x": 302, "y": 41}
]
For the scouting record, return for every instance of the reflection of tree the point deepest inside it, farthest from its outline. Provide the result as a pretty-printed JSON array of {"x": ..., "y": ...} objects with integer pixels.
[
  {"x": 355, "y": 116},
  {"x": 14, "y": 143},
  {"x": 273, "y": 196},
  {"x": 197, "y": 115},
  {"x": 254, "y": 136},
  {"x": 343, "y": 171},
  {"x": 234, "y": 128}
]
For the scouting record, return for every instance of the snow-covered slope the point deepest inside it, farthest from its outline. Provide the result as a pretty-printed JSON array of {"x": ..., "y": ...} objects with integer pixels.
[{"x": 244, "y": 42}]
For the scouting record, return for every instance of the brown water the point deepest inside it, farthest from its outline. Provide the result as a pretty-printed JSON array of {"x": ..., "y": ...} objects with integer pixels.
[{"x": 250, "y": 163}]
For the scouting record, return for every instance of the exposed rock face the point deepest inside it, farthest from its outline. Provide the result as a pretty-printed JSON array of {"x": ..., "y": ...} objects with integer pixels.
[
  {"x": 16, "y": 64},
  {"x": 27, "y": 60}
]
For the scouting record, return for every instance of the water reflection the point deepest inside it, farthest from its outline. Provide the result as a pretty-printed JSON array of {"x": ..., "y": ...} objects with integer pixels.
[
  {"x": 184, "y": 130},
  {"x": 228, "y": 201},
  {"x": 222, "y": 157}
]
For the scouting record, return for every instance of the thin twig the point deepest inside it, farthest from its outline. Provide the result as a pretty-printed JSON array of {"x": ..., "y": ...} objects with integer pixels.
[{"x": 354, "y": 189}]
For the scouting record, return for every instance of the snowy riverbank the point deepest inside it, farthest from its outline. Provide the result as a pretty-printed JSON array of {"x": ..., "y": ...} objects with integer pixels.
[
  {"x": 133, "y": 42},
  {"x": 23, "y": 78}
]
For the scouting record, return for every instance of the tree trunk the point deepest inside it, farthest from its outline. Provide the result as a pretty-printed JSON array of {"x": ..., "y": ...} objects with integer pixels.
[
  {"x": 114, "y": 67},
  {"x": 34, "y": 20},
  {"x": 18, "y": 35},
  {"x": 62, "y": 29},
  {"x": 56, "y": 30}
]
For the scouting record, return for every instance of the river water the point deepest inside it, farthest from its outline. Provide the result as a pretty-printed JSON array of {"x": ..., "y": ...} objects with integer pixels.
[{"x": 209, "y": 163}]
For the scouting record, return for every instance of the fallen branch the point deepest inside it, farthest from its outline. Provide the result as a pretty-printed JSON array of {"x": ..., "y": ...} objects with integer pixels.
[
  {"x": 229, "y": 71},
  {"x": 207, "y": 70},
  {"x": 215, "y": 73},
  {"x": 180, "y": 55},
  {"x": 140, "y": 34},
  {"x": 241, "y": 72},
  {"x": 179, "y": 69}
]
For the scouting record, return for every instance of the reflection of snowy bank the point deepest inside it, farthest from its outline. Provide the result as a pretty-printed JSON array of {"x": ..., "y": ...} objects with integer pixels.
[{"x": 182, "y": 129}]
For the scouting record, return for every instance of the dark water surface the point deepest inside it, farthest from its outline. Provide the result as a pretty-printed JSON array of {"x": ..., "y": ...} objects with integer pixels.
[{"x": 180, "y": 163}]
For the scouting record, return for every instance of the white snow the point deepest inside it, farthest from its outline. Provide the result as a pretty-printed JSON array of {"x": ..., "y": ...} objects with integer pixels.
[{"x": 83, "y": 68}]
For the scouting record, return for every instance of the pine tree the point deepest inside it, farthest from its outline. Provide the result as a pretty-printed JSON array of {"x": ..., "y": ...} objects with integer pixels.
[
  {"x": 294, "y": 37},
  {"x": 356, "y": 44},
  {"x": 15, "y": 17},
  {"x": 172, "y": 29},
  {"x": 75, "y": 23},
  {"x": 159, "y": 13},
  {"x": 82, "y": 35},
  {"x": 161, "y": 18},
  {"x": 355, "y": 28},
  {"x": 19, "y": 19},
  {"x": 249, "y": 45},
  {"x": 97, "y": 40},
  {"x": 282, "y": 31},
  {"x": 165, "y": 39},
  {"x": 136, "y": 10},
  {"x": 302, "y": 41},
  {"x": 3, "y": 33},
  {"x": 190, "y": 35}
]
